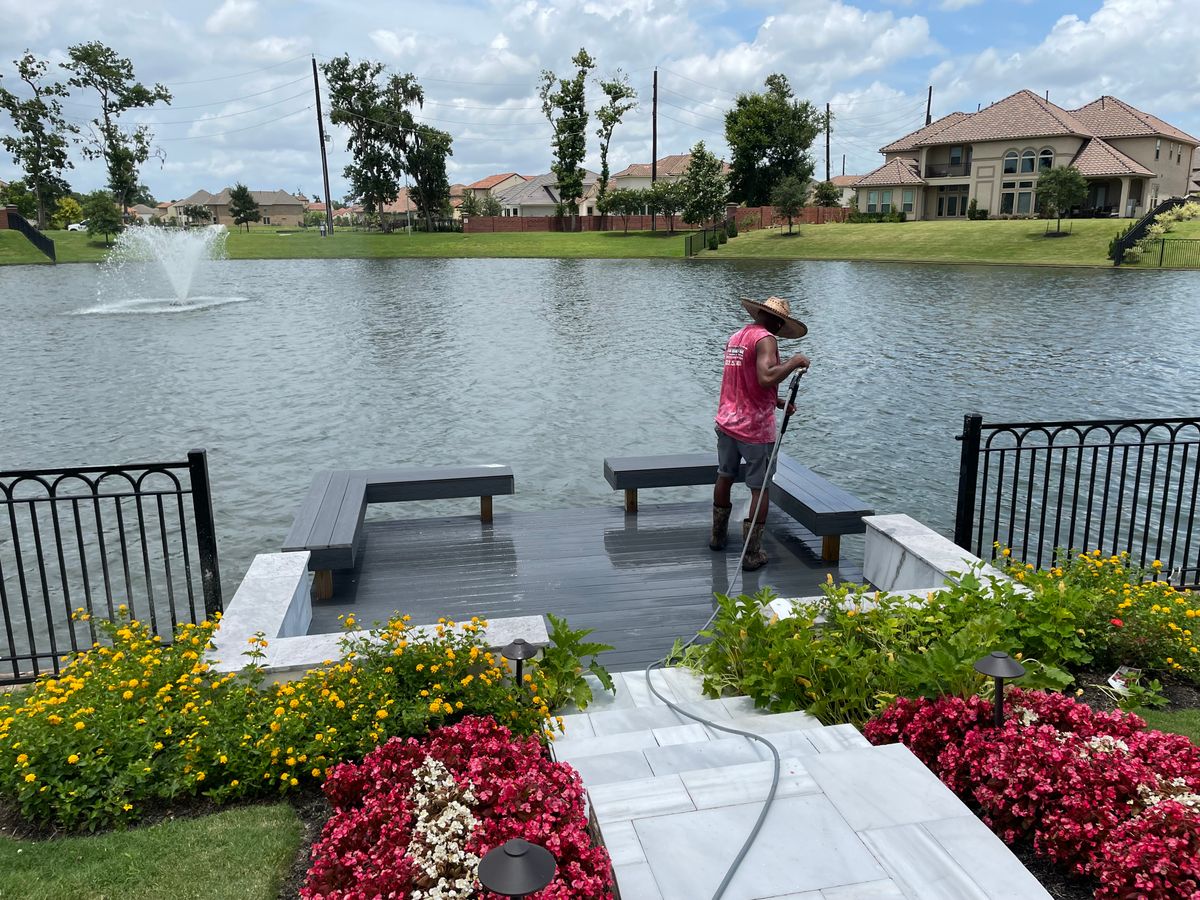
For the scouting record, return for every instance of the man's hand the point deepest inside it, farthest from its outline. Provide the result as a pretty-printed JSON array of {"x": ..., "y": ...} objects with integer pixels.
[
  {"x": 799, "y": 361},
  {"x": 791, "y": 407}
]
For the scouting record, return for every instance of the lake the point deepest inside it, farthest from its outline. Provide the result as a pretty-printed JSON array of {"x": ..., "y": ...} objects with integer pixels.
[{"x": 551, "y": 365}]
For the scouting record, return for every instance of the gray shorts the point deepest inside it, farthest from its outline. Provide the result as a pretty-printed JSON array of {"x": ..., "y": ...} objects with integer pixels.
[{"x": 731, "y": 452}]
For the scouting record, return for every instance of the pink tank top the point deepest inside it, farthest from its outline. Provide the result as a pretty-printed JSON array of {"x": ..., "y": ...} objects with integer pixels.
[{"x": 747, "y": 409}]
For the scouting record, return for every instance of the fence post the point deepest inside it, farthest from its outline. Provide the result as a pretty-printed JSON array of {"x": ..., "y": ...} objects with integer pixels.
[
  {"x": 1162, "y": 248},
  {"x": 968, "y": 475},
  {"x": 206, "y": 533}
]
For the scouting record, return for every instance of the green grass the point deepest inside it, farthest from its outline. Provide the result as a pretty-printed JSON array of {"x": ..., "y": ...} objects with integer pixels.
[
  {"x": 239, "y": 854},
  {"x": 266, "y": 242},
  {"x": 1184, "y": 721},
  {"x": 1020, "y": 242},
  {"x": 1185, "y": 230}
]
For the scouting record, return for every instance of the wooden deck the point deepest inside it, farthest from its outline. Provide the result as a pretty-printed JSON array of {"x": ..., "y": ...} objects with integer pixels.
[{"x": 639, "y": 581}]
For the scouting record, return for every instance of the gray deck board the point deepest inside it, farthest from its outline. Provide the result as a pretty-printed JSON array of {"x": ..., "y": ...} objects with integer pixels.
[{"x": 640, "y": 581}]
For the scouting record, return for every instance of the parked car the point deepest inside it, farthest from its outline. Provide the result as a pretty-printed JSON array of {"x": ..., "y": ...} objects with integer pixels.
[{"x": 78, "y": 226}]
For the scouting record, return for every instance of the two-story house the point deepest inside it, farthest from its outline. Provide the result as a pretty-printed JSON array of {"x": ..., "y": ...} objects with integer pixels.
[{"x": 1131, "y": 160}]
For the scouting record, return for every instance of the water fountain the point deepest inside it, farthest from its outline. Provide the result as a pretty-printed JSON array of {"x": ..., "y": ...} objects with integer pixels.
[{"x": 153, "y": 269}]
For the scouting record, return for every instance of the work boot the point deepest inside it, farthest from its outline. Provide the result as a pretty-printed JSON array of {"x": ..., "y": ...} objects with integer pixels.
[
  {"x": 720, "y": 529},
  {"x": 756, "y": 557}
]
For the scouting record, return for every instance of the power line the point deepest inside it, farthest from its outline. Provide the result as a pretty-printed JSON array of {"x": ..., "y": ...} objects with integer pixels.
[
  {"x": 691, "y": 112},
  {"x": 701, "y": 83},
  {"x": 547, "y": 137},
  {"x": 227, "y": 115},
  {"x": 239, "y": 75},
  {"x": 693, "y": 100},
  {"x": 257, "y": 125},
  {"x": 243, "y": 97},
  {"x": 694, "y": 127}
]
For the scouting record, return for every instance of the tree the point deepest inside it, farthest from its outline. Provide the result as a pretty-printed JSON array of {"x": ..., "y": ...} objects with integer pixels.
[
  {"x": 621, "y": 99},
  {"x": 103, "y": 216},
  {"x": 490, "y": 206},
  {"x": 665, "y": 198},
  {"x": 827, "y": 194},
  {"x": 769, "y": 135},
  {"x": 66, "y": 211},
  {"x": 1061, "y": 188},
  {"x": 703, "y": 187},
  {"x": 243, "y": 208},
  {"x": 624, "y": 202},
  {"x": 39, "y": 146},
  {"x": 470, "y": 205},
  {"x": 141, "y": 194},
  {"x": 566, "y": 110},
  {"x": 788, "y": 198},
  {"x": 196, "y": 212},
  {"x": 97, "y": 67},
  {"x": 18, "y": 194},
  {"x": 424, "y": 160}
]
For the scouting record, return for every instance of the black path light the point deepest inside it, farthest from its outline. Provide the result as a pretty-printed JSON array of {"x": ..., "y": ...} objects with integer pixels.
[
  {"x": 999, "y": 665},
  {"x": 516, "y": 868},
  {"x": 519, "y": 651}
]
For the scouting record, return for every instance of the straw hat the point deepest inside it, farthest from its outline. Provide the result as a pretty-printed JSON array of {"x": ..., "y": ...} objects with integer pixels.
[{"x": 778, "y": 307}]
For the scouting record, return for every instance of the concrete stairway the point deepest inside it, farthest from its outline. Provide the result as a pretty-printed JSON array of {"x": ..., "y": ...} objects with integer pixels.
[{"x": 673, "y": 800}]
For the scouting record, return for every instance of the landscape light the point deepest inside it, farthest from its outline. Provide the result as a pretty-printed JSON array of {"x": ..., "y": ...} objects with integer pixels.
[
  {"x": 999, "y": 665},
  {"x": 519, "y": 651},
  {"x": 516, "y": 868}
]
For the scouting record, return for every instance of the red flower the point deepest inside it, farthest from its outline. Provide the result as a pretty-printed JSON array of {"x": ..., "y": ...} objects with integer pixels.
[{"x": 1117, "y": 622}]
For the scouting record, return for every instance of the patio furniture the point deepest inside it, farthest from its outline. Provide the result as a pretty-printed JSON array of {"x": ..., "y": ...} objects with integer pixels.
[
  {"x": 329, "y": 523},
  {"x": 822, "y": 507}
]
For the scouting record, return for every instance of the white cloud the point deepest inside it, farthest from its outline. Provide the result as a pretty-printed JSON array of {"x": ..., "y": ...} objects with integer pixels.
[
  {"x": 233, "y": 16},
  {"x": 956, "y": 5}
]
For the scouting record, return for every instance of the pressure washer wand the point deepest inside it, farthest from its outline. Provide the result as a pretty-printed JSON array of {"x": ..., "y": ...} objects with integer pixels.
[{"x": 790, "y": 405}]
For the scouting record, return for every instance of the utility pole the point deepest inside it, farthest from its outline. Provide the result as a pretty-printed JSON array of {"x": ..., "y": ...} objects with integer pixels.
[
  {"x": 843, "y": 163},
  {"x": 929, "y": 107},
  {"x": 654, "y": 143},
  {"x": 828, "y": 123},
  {"x": 324, "y": 161}
]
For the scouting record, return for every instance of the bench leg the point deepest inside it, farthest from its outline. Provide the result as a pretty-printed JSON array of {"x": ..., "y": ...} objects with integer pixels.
[
  {"x": 831, "y": 548},
  {"x": 631, "y": 500},
  {"x": 485, "y": 509},
  {"x": 323, "y": 584}
]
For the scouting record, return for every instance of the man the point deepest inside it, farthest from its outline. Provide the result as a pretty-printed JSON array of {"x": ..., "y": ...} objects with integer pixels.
[{"x": 746, "y": 417}]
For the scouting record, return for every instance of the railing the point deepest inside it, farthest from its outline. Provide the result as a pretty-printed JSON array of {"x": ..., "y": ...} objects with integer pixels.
[
  {"x": 1114, "y": 486},
  {"x": 1138, "y": 230},
  {"x": 1172, "y": 253},
  {"x": 18, "y": 222},
  {"x": 698, "y": 240},
  {"x": 98, "y": 537},
  {"x": 944, "y": 170}
]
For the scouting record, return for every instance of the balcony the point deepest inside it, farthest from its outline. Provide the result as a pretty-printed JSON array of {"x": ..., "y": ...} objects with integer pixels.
[{"x": 944, "y": 170}]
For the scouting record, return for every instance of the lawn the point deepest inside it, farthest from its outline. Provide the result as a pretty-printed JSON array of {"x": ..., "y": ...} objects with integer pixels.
[
  {"x": 1185, "y": 230},
  {"x": 1184, "y": 721},
  {"x": 239, "y": 854},
  {"x": 1020, "y": 242},
  {"x": 270, "y": 243}
]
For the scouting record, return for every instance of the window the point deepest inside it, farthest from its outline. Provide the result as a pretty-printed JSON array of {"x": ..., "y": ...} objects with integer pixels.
[
  {"x": 1046, "y": 160},
  {"x": 872, "y": 201},
  {"x": 886, "y": 204},
  {"x": 1024, "y": 202},
  {"x": 907, "y": 205},
  {"x": 1010, "y": 162},
  {"x": 1027, "y": 161},
  {"x": 1157, "y": 147},
  {"x": 956, "y": 156},
  {"x": 952, "y": 200},
  {"x": 266, "y": 220}
]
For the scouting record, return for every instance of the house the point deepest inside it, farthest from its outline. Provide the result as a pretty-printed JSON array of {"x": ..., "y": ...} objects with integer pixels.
[
  {"x": 163, "y": 210},
  {"x": 538, "y": 196},
  {"x": 275, "y": 207},
  {"x": 140, "y": 211},
  {"x": 844, "y": 184},
  {"x": 1131, "y": 160},
  {"x": 494, "y": 183}
]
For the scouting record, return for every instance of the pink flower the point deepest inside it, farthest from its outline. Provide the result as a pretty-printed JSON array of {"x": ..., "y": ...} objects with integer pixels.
[{"x": 1117, "y": 622}]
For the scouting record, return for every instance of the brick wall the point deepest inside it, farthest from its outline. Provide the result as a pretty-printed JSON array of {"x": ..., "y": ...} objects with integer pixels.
[
  {"x": 4, "y": 216},
  {"x": 750, "y": 218}
]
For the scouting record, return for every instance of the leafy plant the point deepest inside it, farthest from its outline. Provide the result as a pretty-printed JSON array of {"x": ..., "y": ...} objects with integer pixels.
[{"x": 559, "y": 670}]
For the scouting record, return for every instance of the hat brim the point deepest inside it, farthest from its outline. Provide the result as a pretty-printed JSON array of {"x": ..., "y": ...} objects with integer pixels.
[{"x": 792, "y": 328}]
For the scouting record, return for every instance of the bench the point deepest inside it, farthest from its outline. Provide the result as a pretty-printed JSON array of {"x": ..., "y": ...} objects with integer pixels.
[
  {"x": 329, "y": 523},
  {"x": 822, "y": 507}
]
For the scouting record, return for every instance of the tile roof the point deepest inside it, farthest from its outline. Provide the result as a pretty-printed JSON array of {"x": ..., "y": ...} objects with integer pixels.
[
  {"x": 541, "y": 189},
  {"x": 898, "y": 171},
  {"x": 909, "y": 141},
  {"x": 675, "y": 164},
  {"x": 1109, "y": 117},
  {"x": 486, "y": 184},
  {"x": 1020, "y": 115},
  {"x": 264, "y": 198},
  {"x": 845, "y": 180},
  {"x": 1096, "y": 159}
]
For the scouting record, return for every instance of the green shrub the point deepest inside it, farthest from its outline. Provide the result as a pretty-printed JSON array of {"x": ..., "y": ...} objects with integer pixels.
[
  {"x": 1112, "y": 245},
  {"x": 731, "y": 227},
  {"x": 136, "y": 723},
  {"x": 865, "y": 218},
  {"x": 713, "y": 243},
  {"x": 846, "y": 655},
  {"x": 722, "y": 236}
]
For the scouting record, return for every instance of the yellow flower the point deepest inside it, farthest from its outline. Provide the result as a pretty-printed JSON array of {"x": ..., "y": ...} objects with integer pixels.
[
  {"x": 199, "y": 776},
  {"x": 1006, "y": 552},
  {"x": 234, "y": 783},
  {"x": 22, "y": 758},
  {"x": 381, "y": 714},
  {"x": 31, "y": 778},
  {"x": 316, "y": 773},
  {"x": 72, "y": 759},
  {"x": 128, "y": 695}
]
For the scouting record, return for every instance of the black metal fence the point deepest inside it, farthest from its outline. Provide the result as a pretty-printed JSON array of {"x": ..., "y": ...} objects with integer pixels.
[
  {"x": 1115, "y": 486},
  {"x": 1137, "y": 230},
  {"x": 97, "y": 537},
  {"x": 18, "y": 222},
  {"x": 1171, "y": 253},
  {"x": 699, "y": 240}
]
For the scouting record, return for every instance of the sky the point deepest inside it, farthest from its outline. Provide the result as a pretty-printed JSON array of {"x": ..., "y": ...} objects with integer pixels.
[{"x": 241, "y": 72}]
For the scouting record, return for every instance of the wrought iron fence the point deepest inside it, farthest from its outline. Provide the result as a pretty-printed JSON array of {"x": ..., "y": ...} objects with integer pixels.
[
  {"x": 1137, "y": 230},
  {"x": 18, "y": 222},
  {"x": 97, "y": 537},
  {"x": 698, "y": 240},
  {"x": 1116, "y": 486},
  {"x": 1173, "y": 253}
]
